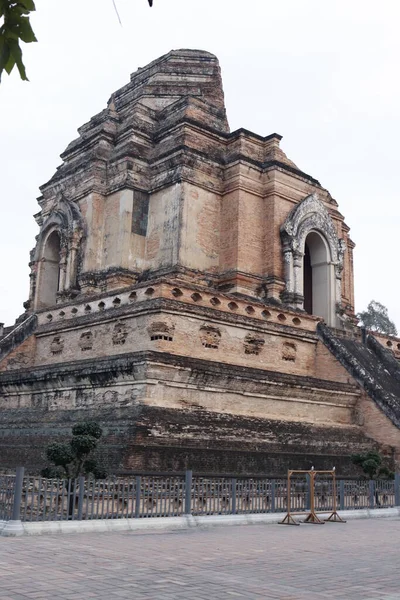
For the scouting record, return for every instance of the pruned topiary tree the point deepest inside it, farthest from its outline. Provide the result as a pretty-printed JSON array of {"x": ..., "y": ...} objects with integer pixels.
[{"x": 76, "y": 457}]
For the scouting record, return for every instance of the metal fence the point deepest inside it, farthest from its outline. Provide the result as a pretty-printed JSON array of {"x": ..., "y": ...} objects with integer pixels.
[
  {"x": 7, "y": 493},
  {"x": 144, "y": 496}
]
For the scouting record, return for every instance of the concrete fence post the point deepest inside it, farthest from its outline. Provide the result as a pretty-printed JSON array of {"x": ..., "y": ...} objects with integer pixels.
[
  {"x": 341, "y": 494},
  {"x": 14, "y": 527},
  {"x": 308, "y": 493},
  {"x": 188, "y": 493},
  {"x": 81, "y": 497},
  {"x": 233, "y": 488},
  {"x": 371, "y": 493},
  {"x": 273, "y": 495},
  {"x": 138, "y": 482},
  {"x": 397, "y": 489}
]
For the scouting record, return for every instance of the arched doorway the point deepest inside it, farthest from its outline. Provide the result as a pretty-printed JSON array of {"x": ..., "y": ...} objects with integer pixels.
[
  {"x": 318, "y": 278},
  {"x": 49, "y": 279},
  {"x": 312, "y": 260}
]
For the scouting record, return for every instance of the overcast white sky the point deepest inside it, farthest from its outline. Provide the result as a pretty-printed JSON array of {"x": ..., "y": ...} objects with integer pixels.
[{"x": 324, "y": 74}]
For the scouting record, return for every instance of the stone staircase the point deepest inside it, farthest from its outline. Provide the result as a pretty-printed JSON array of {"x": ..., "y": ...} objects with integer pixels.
[
  {"x": 373, "y": 367},
  {"x": 14, "y": 336}
]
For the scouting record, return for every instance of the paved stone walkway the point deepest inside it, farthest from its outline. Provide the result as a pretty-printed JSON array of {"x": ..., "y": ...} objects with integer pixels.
[{"x": 356, "y": 561}]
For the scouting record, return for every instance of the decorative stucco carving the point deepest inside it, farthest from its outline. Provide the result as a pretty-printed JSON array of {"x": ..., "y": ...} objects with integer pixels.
[
  {"x": 86, "y": 341},
  {"x": 120, "y": 334},
  {"x": 311, "y": 215},
  {"x": 289, "y": 351},
  {"x": 210, "y": 336},
  {"x": 57, "y": 345},
  {"x": 253, "y": 344}
]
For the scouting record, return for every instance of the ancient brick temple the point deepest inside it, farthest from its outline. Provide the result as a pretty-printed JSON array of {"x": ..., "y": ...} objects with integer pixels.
[{"x": 192, "y": 290}]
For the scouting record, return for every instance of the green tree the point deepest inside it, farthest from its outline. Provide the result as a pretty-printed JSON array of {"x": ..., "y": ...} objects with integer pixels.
[
  {"x": 15, "y": 28},
  {"x": 75, "y": 457},
  {"x": 376, "y": 318},
  {"x": 372, "y": 464}
]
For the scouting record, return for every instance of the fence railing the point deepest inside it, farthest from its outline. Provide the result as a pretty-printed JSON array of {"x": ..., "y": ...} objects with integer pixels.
[
  {"x": 29, "y": 498},
  {"x": 7, "y": 494}
]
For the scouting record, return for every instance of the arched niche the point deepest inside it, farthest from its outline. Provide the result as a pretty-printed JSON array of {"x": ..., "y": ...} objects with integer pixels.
[
  {"x": 49, "y": 271},
  {"x": 318, "y": 278},
  {"x": 313, "y": 260},
  {"x": 55, "y": 259}
]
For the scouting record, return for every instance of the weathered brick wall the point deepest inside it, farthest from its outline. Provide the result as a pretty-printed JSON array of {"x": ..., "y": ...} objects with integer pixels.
[
  {"x": 254, "y": 345},
  {"x": 391, "y": 343},
  {"x": 158, "y": 439},
  {"x": 21, "y": 357},
  {"x": 229, "y": 231},
  {"x": 166, "y": 402},
  {"x": 251, "y": 219},
  {"x": 328, "y": 367},
  {"x": 200, "y": 229},
  {"x": 376, "y": 425},
  {"x": 280, "y": 445}
]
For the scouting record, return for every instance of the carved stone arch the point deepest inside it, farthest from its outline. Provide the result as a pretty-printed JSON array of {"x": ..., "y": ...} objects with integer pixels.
[
  {"x": 55, "y": 222},
  {"x": 66, "y": 220},
  {"x": 310, "y": 220},
  {"x": 310, "y": 214}
]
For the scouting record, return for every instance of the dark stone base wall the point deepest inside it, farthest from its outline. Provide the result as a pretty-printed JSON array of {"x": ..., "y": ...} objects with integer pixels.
[
  {"x": 198, "y": 440},
  {"x": 209, "y": 461}
]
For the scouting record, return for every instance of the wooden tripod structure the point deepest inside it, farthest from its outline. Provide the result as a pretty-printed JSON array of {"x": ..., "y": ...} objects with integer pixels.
[{"x": 312, "y": 516}]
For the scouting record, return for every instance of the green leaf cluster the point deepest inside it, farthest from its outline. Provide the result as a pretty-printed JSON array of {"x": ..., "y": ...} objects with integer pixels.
[
  {"x": 372, "y": 464},
  {"x": 15, "y": 28},
  {"x": 376, "y": 318},
  {"x": 73, "y": 458}
]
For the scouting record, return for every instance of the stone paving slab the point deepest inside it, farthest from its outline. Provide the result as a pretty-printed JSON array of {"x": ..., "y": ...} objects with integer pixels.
[{"x": 358, "y": 560}]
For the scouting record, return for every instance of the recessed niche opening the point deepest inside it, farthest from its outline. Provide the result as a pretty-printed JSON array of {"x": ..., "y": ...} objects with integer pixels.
[
  {"x": 196, "y": 297},
  {"x": 233, "y": 306},
  {"x": 215, "y": 301},
  {"x": 160, "y": 336},
  {"x": 176, "y": 292}
]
